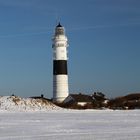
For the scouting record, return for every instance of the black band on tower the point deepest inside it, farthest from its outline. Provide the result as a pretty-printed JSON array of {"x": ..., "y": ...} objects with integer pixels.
[{"x": 59, "y": 67}]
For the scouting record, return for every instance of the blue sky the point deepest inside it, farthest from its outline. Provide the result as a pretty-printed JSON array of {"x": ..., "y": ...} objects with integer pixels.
[{"x": 104, "y": 45}]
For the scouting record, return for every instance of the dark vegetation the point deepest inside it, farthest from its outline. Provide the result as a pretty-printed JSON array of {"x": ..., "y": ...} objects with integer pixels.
[{"x": 131, "y": 101}]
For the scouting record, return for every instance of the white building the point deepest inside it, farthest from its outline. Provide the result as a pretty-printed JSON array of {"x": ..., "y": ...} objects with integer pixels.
[{"x": 60, "y": 73}]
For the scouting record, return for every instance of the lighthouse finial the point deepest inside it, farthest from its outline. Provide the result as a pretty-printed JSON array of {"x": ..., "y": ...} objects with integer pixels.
[{"x": 59, "y": 25}]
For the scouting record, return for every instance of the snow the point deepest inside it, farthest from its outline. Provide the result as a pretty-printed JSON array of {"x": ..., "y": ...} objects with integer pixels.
[
  {"x": 15, "y": 103},
  {"x": 70, "y": 125}
]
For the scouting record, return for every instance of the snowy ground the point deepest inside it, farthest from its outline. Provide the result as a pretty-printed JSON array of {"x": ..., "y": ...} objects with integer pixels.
[{"x": 70, "y": 125}]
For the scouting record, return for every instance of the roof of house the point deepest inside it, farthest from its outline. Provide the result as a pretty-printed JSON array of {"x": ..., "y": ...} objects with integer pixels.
[{"x": 81, "y": 97}]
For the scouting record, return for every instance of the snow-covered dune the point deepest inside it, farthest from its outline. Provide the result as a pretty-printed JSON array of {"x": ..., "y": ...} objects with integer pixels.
[{"x": 14, "y": 103}]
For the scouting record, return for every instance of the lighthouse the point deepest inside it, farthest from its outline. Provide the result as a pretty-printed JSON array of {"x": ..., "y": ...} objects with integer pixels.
[{"x": 60, "y": 72}]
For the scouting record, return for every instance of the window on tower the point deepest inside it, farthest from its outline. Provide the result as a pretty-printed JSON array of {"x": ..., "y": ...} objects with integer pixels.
[
  {"x": 60, "y": 45},
  {"x": 59, "y": 31}
]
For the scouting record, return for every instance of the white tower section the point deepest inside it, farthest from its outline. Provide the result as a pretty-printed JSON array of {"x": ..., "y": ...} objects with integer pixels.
[{"x": 60, "y": 74}]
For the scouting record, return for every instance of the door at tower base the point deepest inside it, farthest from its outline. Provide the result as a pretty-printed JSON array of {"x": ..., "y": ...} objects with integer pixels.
[{"x": 60, "y": 88}]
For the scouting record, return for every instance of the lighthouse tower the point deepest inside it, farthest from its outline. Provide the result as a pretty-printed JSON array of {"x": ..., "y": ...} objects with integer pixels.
[{"x": 60, "y": 73}]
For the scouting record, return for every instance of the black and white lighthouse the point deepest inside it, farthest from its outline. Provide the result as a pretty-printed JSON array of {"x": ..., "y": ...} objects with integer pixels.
[{"x": 60, "y": 72}]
